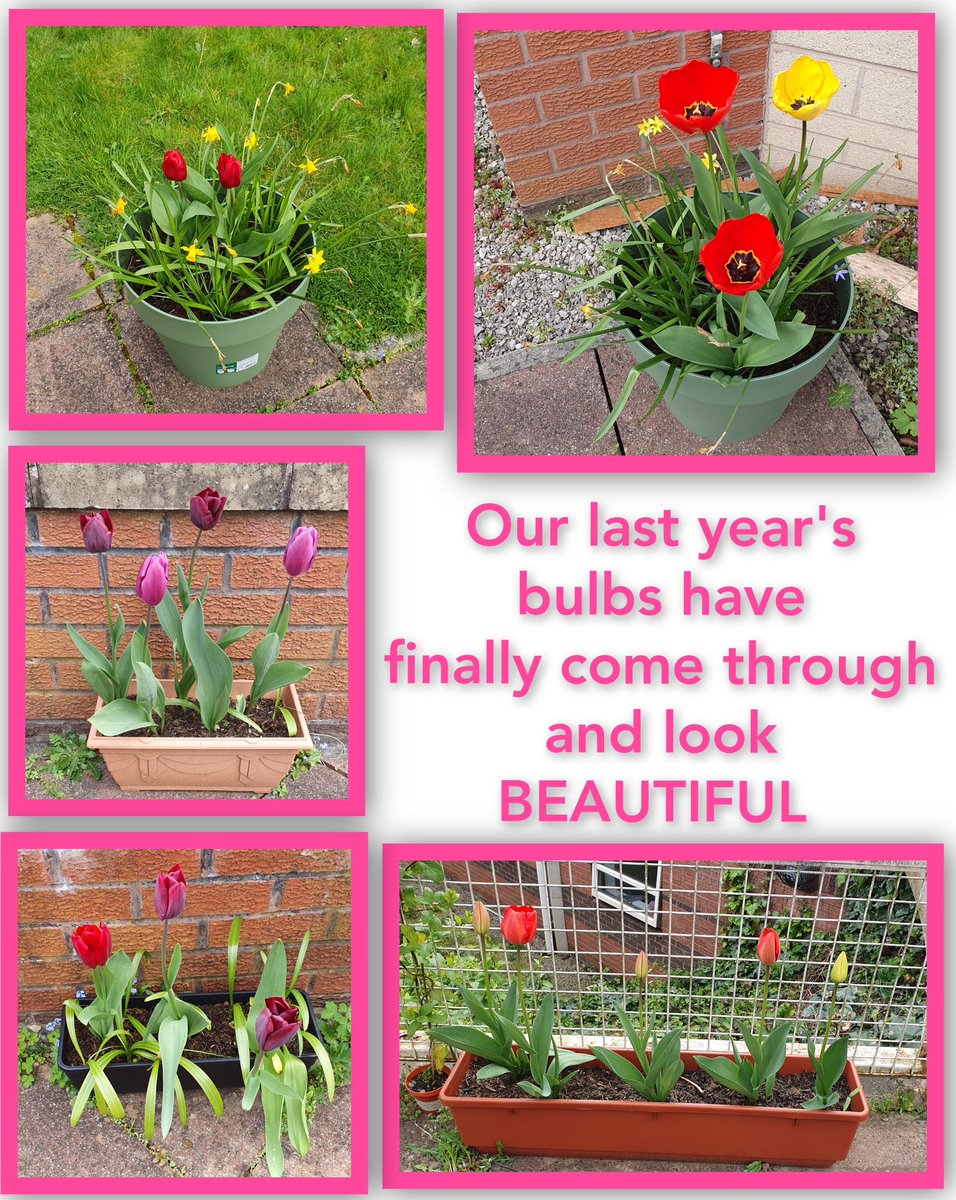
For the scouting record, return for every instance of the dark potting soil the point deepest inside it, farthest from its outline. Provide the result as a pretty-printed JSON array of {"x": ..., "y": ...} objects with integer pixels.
[
  {"x": 166, "y": 305},
  {"x": 219, "y": 1041},
  {"x": 184, "y": 723},
  {"x": 428, "y": 1081},
  {"x": 694, "y": 1087}
]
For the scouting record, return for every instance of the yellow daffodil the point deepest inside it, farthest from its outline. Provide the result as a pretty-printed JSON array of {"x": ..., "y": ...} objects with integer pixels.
[
  {"x": 410, "y": 210},
  {"x": 309, "y": 166},
  {"x": 289, "y": 88},
  {"x": 232, "y": 253},
  {"x": 211, "y": 135},
  {"x": 193, "y": 252},
  {"x": 651, "y": 127},
  {"x": 315, "y": 261},
  {"x": 251, "y": 141},
  {"x": 710, "y": 161},
  {"x": 618, "y": 171},
  {"x": 806, "y": 89},
  {"x": 119, "y": 208},
  {"x": 588, "y": 310}
]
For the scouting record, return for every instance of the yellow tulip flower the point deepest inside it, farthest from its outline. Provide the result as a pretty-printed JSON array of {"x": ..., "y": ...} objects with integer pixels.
[
  {"x": 193, "y": 252},
  {"x": 806, "y": 89},
  {"x": 211, "y": 135},
  {"x": 841, "y": 968},
  {"x": 315, "y": 261}
]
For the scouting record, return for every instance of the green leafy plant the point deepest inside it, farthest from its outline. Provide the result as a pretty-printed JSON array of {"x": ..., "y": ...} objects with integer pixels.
[
  {"x": 335, "y": 1026},
  {"x": 656, "y": 1072},
  {"x": 67, "y": 758},
  {"x": 277, "y": 1020},
  {"x": 905, "y": 419},
  {"x": 767, "y": 1047},
  {"x": 303, "y": 762},
  {"x": 36, "y": 1048},
  {"x": 230, "y": 232},
  {"x": 426, "y": 908},
  {"x": 829, "y": 1062},
  {"x": 716, "y": 282}
]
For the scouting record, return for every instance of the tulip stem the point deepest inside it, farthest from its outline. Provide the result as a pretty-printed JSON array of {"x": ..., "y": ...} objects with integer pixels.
[
  {"x": 833, "y": 1000},
  {"x": 484, "y": 967},
  {"x": 803, "y": 157},
  {"x": 763, "y": 1010},
  {"x": 192, "y": 563},
  {"x": 149, "y": 625},
  {"x": 165, "y": 978},
  {"x": 105, "y": 580},
  {"x": 286, "y": 599},
  {"x": 715, "y": 171},
  {"x": 524, "y": 1009}
]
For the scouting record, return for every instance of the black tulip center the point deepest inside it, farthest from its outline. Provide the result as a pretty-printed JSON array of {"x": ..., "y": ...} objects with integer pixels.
[{"x": 743, "y": 266}]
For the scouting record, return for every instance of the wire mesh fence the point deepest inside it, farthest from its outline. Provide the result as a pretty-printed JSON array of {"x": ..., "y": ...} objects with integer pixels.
[{"x": 699, "y": 923}]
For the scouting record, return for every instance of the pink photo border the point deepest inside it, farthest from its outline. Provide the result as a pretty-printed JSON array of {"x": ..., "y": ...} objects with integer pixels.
[
  {"x": 932, "y": 1177},
  {"x": 432, "y": 20},
  {"x": 923, "y": 461},
  {"x": 12, "y": 1183},
  {"x": 354, "y": 458}
]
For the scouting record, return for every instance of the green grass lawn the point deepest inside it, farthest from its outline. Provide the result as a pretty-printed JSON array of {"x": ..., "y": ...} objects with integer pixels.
[{"x": 96, "y": 96}]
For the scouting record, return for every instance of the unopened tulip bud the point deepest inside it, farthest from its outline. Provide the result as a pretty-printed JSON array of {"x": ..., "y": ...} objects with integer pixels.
[
  {"x": 841, "y": 968},
  {"x": 277, "y": 1024},
  {"x": 206, "y": 508},
  {"x": 97, "y": 531},
  {"x": 170, "y": 896},
  {"x": 480, "y": 919},
  {"x": 642, "y": 966},
  {"x": 768, "y": 947},
  {"x": 301, "y": 551},
  {"x": 153, "y": 579},
  {"x": 519, "y": 924}
]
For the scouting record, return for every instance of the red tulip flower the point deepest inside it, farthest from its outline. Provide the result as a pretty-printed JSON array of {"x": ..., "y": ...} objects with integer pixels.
[
  {"x": 277, "y": 1024},
  {"x": 97, "y": 531},
  {"x": 174, "y": 166},
  {"x": 743, "y": 254},
  {"x": 301, "y": 551},
  {"x": 519, "y": 924},
  {"x": 153, "y": 579},
  {"x": 768, "y": 947},
  {"x": 230, "y": 171},
  {"x": 170, "y": 893},
  {"x": 695, "y": 98},
  {"x": 206, "y": 508},
  {"x": 92, "y": 944}
]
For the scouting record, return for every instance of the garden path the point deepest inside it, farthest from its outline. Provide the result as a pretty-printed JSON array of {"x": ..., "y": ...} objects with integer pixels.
[
  {"x": 530, "y": 403},
  {"x": 231, "y": 1146},
  {"x": 93, "y": 355}
]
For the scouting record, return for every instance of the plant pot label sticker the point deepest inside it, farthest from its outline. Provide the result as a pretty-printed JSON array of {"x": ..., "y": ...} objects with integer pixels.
[{"x": 233, "y": 368}]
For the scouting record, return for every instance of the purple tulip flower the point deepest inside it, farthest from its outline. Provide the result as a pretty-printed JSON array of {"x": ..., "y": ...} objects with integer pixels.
[
  {"x": 277, "y": 1024},
  {"x": 301, "y": 551},
  {"x": 206, "y": 508},
  {"x": 153, "y": 579},
  {"x": 170, "y": 893},
  {"x": 97, "y": 530}
]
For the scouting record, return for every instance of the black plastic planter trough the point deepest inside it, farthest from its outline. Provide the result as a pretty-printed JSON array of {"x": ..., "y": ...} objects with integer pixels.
[{"x": 224, "y": 1072}]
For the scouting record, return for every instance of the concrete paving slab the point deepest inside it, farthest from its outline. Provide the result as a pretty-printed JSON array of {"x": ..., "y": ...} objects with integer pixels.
[
  {"x": 330, "y": 1154},
  {"x": 79, "y": 368},
  {"x": 808, "y": 427},
  {"x": 398, "y": 386},
  {"x": 52, "y": 275},
  {"x": 98, "y": 1146},
  {"x": 341, "y": 396},
  {"x": 549, "y": 409},
  {"x": 319, "y": 783},
  {"x": 300, "y": 361}
]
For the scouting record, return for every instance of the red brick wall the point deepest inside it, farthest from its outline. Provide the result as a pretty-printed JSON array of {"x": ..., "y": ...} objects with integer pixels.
[
  {"x": 278, "y": 892},
  {"x": 565, "y": 104},
  {"x": 243, "y": 558}
]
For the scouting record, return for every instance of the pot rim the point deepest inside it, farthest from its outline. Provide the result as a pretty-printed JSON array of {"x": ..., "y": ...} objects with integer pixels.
[
  {"x": 219, "y": 322},
  {"x": 446, "y": 1071},
  {"x": 303, "y": 740},
  {"x": 773, "y": 375},
  {"x": 852, "y": 1116}
]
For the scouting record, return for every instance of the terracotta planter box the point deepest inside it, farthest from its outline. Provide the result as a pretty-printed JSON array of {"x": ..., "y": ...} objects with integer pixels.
[
  {"x": 226, "y": 764},
  {"x": 134, "y": 1076},
  {"x": 729, "y": 1133}
]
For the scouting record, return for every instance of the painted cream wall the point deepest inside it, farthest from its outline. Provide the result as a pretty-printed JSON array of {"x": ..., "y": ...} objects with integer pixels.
[{"x": 875, "y": 108}]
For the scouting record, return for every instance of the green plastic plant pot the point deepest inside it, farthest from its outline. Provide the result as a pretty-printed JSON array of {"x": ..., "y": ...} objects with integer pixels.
[
  {"x": 705, "y": 407},
  {"x": 246, "y": 343}
]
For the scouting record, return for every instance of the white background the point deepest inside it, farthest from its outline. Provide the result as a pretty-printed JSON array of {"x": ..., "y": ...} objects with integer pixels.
[{"x": 862, "y": 769}]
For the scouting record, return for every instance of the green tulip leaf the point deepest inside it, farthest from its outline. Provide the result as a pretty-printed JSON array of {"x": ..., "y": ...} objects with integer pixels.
[
  {"x": 279, "y": 676},
  {"x": 213, "y": 668},
  {"x": 121, "y": 716},
  {"x": 172, "y": 1041}
]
